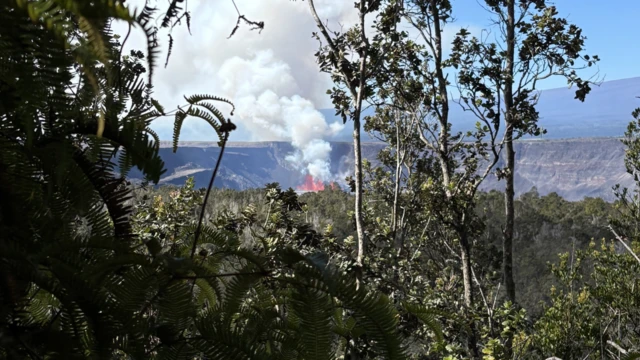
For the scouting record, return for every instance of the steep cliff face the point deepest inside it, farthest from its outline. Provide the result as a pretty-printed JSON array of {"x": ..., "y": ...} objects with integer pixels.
[{"x": 573, "y": 168}]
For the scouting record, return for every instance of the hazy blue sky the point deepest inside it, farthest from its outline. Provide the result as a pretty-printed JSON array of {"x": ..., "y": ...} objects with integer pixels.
[{"x": 610, "y": 27}]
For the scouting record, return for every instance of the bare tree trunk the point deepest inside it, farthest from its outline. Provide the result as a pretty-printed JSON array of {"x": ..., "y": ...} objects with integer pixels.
[
  {"x": 356, "y": 141},
  {"x": 466, "y": 271},
  {"x": 509, "y": 194},
  {"x": 465, "y": 257},
  {"x": 357, "y": 151},
  {"x": 396, "y": 190},
  {"x": 507, "y": 244}
]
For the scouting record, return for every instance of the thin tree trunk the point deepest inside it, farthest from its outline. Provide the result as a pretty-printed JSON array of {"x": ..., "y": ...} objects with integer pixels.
[
  {"x": 509, "y": 194},
  {"x": 358, "y": 179},
  {"x": 465, "y": 257},
  {"x": 444, "y": 95},
  {"x": 447, "y": 172},
  {"x": 466, "y": 271},
  {"x": 356, "y": 143},
  {"x": 472, "y": 341},
  {"x": 396, "y": 190},
  {"x": 507, "y": 244}
]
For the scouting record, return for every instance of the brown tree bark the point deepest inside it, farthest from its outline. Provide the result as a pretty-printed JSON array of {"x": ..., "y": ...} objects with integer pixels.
[
  {"x": 509, "y": 194},
  {"x": 465, "y": 258},
  {"x": 434, "y": 42}
]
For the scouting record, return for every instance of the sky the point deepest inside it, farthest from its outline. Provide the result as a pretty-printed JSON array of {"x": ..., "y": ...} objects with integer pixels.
[
  {"x": 273, "y": 79},
  {"x": 611, "y": 32}
]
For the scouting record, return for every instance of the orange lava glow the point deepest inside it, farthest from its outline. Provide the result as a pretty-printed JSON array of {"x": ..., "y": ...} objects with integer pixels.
[{"x": 311, "y": 185}]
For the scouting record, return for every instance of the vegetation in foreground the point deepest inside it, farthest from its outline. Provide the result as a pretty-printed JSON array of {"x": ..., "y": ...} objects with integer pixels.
[{"x": 420, "y": 265}]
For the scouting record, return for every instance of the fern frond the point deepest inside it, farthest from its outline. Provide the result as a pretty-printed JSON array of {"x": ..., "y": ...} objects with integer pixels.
[
  {"x": 223, "y": 344},
  {"x": 177, "y": 127},
  {"x": 428, "y": 317},
  {"x": 220, "y": 239},
  {"x": 195, "y": 112},
  {"x": 188, "y": 16},
  {"x": 95, "y": 38},
  {"x": 194, "y": 99},
  {"x": 236, "y": 291},
  {"x": 158, "y": 106},
  {"x": 214, "y": 117},
  {"x": 315, "y": 311},
  {"x": 166, "y": 62},
  {"x": 174, "y": 307},
  {"x": 179, "y": 351},
  {"x": 206, "y": 291},
  {"x": 217, "y": 113},
  {"x": 153, "y": 50},
  {"x": 171, "y": 13},
  {"x": 155, "y": 137},
  {"x": 373, "y": 311}
]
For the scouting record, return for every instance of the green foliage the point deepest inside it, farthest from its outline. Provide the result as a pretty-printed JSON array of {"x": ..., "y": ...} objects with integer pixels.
[
  {"x": 76, "y": 281},
  {"x": 425, "y": 274},
  {"x": 587, "y": 314},
  {"x": 546, "y": 44},
  {"x": 628, "y": 200},
  {"x": 92, "y": 268},
  {"x": 545, "y": 227},
  {"x": 83, "y": 277},
  {"x": 289, "y": 301}
]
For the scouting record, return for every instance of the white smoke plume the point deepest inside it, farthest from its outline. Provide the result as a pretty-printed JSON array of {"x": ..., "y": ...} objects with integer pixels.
[
  {"x": 265, "y": 94},
  {"x": 271, "y": 77}
]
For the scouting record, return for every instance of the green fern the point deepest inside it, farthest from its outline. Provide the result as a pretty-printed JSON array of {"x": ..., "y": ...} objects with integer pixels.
[
  {"x": 428, "y": 317},
  {"x": 209, "y": 114}
]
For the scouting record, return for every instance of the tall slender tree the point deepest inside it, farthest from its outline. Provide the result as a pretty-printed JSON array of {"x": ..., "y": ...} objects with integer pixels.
[
  {"x": 499, "y": 79},
  {"x": 350, "y": 59},
  {"x": 413, "y": 82},
  {"x": 499, "y": 82}
]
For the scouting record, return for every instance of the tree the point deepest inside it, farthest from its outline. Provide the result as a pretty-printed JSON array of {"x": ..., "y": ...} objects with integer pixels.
[
  {"x": 595, "y": 309},
  {"x": 352, "y": 79},
  {"x": 397, "y": 178},
  {"x": 413, "y": 87},
  {"x": 594, "y": 312},
  {"x": 628, "y": 200},
  {"x": 498, "y": 82}
]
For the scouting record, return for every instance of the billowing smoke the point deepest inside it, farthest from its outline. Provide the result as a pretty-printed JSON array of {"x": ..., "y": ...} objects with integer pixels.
[
  {"x": 265, "y": 94},
  {"x": 272, "y": 76}
]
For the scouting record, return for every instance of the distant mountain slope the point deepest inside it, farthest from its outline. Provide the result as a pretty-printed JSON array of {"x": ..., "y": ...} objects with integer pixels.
[
  {"x": 574, "y": 168},
  {"x": 605, "y": 112}
]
